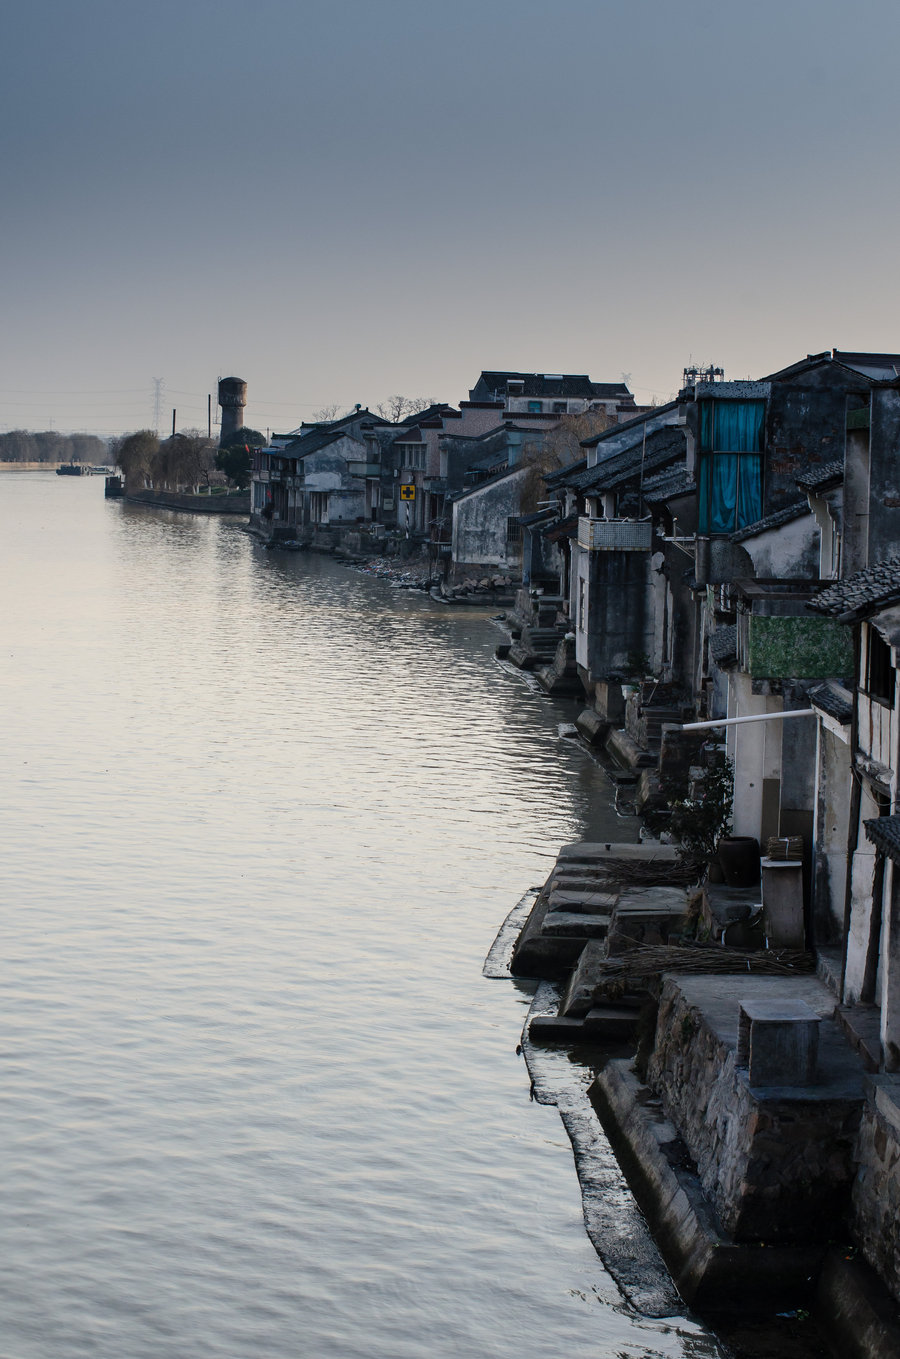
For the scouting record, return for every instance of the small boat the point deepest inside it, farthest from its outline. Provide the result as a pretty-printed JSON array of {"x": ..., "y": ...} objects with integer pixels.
[{"x": 73, "y": 469}]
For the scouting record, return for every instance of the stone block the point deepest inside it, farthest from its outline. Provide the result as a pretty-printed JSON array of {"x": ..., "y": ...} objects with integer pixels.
[
  {"x": 592, "y": 726},
  {"x": 626, "y": 752},
  {"x": 608, "y": 701},
  {"x": 575, "y": 924},
  {"x": 778, "y": 1042},
  {"x": 644, "y": 915},
  {"x": 782, "y": 897}
]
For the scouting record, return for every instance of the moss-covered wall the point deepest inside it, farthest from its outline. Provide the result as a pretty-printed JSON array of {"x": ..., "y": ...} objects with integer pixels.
[{"x": 799, "y": 648}]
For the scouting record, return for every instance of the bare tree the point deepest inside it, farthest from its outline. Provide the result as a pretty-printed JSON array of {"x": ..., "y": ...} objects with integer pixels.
[
  {"x": 327, "y": 414},
  {"x": 190, "y": 458},
  {"x": 559, "y": 447},
  {"x": 397, "y": 407}
]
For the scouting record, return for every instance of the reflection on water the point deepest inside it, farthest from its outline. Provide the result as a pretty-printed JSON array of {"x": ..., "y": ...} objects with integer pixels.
[{"x": 263, "y": 818}]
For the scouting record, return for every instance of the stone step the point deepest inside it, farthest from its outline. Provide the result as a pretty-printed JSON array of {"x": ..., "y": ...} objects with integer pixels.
[
  {"x": 611, "y": 1021},
  {"x": 575, "y": 924},
  {"x": 585, "y": 902},
  {"x": 604, "y": 1022}
]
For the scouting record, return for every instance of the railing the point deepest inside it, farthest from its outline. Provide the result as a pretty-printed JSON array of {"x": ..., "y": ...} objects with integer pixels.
[{"x": 615, "y": 535}]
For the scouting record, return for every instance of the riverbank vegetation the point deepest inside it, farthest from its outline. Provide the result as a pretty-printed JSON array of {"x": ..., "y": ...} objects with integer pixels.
[
  {"x": 184, "y": 462},
  {"x": 22, "y": 445}
]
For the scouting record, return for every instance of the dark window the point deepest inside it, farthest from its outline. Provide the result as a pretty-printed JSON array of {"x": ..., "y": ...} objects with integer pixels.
[
  {"x": 513, "y": 530},
  {"x": 535, "y": 405},
  {"x": 880, "y": 674},
  {"x": 731, "y": 464},
  {"x": 559, "y": 408}
]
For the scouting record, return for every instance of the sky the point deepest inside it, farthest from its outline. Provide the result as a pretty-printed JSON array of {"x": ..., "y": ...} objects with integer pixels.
[{"x": 337, "y": 201}]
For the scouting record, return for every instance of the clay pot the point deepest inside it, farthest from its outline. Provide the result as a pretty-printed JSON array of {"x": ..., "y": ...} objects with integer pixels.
[{"x": 739, "y": 857}]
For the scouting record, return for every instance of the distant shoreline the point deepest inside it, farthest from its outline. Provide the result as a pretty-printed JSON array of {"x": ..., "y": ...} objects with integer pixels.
[{"x": 29, "y": 466}]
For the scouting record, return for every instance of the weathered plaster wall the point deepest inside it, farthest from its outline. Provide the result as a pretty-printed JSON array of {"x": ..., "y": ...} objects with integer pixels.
[
  {"x": 884, "y": 474},
  {"x": 805, "y": 426},
  {"x": 479, "y": 525},
  {"x": 832, "y": 830},
  {"x": 862, "y": 879},
  {"x": 790, "y": 551},
  {"x": 620, "y": 611}
]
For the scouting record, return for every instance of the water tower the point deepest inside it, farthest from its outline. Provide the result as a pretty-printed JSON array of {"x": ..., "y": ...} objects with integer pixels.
[{"x": 232, "y": 399}]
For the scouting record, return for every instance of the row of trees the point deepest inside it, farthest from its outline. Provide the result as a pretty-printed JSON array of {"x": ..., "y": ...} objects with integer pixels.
[
  {"x": 189, "y": 461},
  {"x": 20, "y": 445}
]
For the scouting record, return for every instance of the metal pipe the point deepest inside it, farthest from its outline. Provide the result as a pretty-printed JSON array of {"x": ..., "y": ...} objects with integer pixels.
[{"x": 757, "y": 717}]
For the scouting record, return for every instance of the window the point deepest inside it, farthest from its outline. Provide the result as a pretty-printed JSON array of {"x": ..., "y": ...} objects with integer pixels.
[
  {"x": 880, "y": 674},
  {"x": 513, "y": 530},
  {"x": 536, "y": 406},
  {"x": 559, "y": 408},
  {"x": 731, "y": 464},
  {"x": 582, "y": 603}
]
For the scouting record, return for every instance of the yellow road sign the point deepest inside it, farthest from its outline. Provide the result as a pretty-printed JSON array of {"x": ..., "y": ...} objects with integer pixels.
[{"x": 408, "y": 492}]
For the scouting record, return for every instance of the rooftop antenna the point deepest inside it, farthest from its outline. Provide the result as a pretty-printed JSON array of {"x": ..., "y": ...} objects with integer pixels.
[{"x": 694, "y": 373}]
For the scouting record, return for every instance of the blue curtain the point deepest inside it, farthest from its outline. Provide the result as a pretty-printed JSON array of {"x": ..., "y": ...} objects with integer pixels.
[
  {"x": 731, "y": 473},
  {"x": 739, "y": 426}
]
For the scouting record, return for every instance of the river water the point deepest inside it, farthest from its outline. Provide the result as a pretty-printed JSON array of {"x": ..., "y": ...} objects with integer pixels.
[{"x": 262, "y": 818}]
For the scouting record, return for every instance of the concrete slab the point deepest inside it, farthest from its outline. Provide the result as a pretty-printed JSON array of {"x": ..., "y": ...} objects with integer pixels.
[
  {"x": 655, "y": 901},
  {"x": 719, "y": 998},
  {"x": 592, "y": 851}
]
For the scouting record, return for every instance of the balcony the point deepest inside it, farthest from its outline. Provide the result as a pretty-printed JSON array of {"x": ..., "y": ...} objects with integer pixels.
[{"x": 615, "y": 535}]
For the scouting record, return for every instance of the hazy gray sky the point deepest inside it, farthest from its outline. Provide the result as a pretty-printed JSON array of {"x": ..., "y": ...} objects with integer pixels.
[{"x": 341, "y": 200}]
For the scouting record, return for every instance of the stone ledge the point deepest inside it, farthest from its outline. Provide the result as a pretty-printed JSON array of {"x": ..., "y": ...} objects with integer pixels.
[{"x": 710, "y": 1270}]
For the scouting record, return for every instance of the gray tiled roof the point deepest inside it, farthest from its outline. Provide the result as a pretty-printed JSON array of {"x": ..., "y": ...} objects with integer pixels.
[
  {"x": 314, "y": 441},
  {"x": 549, "y": 385},
  {"x": 662, "y": 446},
  {"x": 723, "y": 645},
  {"x": 674, "y": 481},
  {"x": 884, "y": 832},
  {"x": 820, "y": 476},
  {"x": 771, "y": 521},
  {"x": 833, "y": 702},
  {"x": 862, "y": 592}
]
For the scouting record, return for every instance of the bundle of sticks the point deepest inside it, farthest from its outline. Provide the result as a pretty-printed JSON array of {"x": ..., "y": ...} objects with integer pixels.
[
  {"x": 700, "y": 958},
  {"x": 644, "y": 872}
]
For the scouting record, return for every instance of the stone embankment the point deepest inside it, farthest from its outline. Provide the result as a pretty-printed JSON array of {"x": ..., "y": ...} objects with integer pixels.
[
  {"x": 236, "y": 503},
  {"x": 739, "y": 1109}
]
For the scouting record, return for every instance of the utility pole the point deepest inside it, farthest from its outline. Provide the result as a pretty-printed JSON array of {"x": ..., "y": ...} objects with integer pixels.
[
  {"x": 209, "y": 415},
  {"x": 173, "y": 422}
]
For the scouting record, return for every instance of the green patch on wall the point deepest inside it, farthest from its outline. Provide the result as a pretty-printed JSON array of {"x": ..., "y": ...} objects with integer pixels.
[{"x": 799, "y": 648}]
